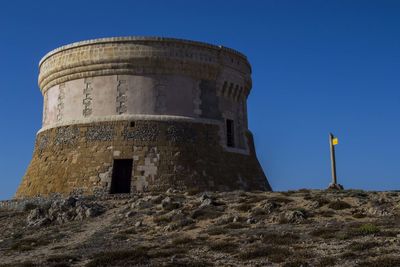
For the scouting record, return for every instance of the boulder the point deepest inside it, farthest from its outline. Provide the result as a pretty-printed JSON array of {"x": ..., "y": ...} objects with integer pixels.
[
  {"x": 64, "y": 210},
  {"x": 168, "y": 204},
  {"x": 295, "y": 216}
]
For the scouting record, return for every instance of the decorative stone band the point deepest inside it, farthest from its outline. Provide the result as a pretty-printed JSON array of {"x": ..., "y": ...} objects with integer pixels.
[
  {"x": 142, "y": 117},
  {"x": 138, "y": 56}
]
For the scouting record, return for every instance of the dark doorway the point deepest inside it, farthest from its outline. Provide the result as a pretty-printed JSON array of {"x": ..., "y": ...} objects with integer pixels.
[{"x": 121, "y": 176}]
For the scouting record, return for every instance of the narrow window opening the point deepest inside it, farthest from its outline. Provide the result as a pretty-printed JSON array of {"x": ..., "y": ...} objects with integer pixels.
[
  {"x": 132, "y": 124},
  {"x": 121, "y": 176},
  {"x": 230, "y": 134}
]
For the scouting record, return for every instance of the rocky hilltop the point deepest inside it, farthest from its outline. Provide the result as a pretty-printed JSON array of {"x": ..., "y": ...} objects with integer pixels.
[{"x": 295, "y": 228}]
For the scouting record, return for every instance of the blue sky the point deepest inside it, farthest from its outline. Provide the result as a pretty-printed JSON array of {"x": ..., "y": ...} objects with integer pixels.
[{"x": 318, "y": 66}]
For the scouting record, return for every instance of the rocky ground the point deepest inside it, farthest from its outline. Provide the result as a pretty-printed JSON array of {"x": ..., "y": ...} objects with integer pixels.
[{"x": 295, "y": 228}]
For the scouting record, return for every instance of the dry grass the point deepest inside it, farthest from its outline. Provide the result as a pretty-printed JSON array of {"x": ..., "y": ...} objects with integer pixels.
[
  {"x": 296, "y": 263},
  {"x": 162, "y": 219},
  {"x": 27, "y": 244},
  {"x": 206, "y": 213},
  {"x": 224, "y": 246},
  {"x": 219, "y": 241},
  {"x": 273, "y": 253},
  {"x": 339, "y": 205},
  {"x": 279, "y": 199},
  {"x": 217, "y": 230},
  {"x": 183, "y": 240},
  {"x": 120, "y": 258},
  {"x": 383, "y": 261},
  {"x": 327, "y": 261},
  {"x": 325, "y": 233},
  {"x": 362, "y": 246},
  {"x": 280, "y": 239},
  {"x": 245, "y": 207}
]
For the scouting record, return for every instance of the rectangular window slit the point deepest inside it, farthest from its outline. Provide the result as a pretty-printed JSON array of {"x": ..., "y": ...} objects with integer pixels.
[{"x": 230, "y": 134}]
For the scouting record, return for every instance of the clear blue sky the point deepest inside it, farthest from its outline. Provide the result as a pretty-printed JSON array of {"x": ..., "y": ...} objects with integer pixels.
[{"x": 318, "y": 66}]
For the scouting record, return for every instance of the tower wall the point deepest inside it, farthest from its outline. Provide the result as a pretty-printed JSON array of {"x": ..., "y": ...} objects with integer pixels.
[{"x": 164, "y": 103}]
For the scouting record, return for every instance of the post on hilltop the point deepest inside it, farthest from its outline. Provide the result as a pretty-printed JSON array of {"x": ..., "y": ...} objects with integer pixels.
[{"x": 333, "y": 141}]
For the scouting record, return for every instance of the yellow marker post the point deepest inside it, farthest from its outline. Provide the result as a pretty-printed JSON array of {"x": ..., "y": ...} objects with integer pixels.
[{"x": 333, "y": 141}]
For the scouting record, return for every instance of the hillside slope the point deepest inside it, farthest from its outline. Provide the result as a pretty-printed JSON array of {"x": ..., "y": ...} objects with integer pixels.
[{"x": 295, "y": 228}]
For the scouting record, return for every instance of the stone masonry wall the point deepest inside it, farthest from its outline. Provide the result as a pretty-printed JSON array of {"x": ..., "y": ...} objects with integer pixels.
[{"x": 183, "y": 155}]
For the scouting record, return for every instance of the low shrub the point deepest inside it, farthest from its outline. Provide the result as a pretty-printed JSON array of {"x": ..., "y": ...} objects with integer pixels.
[
  {"x": 58, "y": 260},
  {"x": 162, "y": 219},
  {"x": 166, "y": 252},
  {"x": 120, "y": 258},
  {"x": 22, "y": 264},
  {"x": 361, "y": 246},
  {"x": 349, "y": 255},
  {"x": 236, "y": 225},
  {"x": 327, "y": 261},
  {"x": 206, "y": 213},
  {"x": 326, "y": 213},
  {"x": 182, "y": 240},
  {"x": 359, "y": 215},
  {"x": 257, "y": 212},
  {"x": 388, "y": 233},
  {"x": 188, "y": 263},
  {"x": 30, "y": 206},
  {"x": 358, "y": 194},
  {"x": 245, "y": 207},
  {"x": 27, "y": 244},
  {"x": 217, "y": 230},
  {"x": 339, "y": 205},
  {"x": 383, "y": 261},
  {"x": 296, "y": 263},
  {"x": 288, "y": 193},
  {"x": 325, "y": 233},
  {"x": 280, "y": 239},
  {"x": 368, "y": 229},
  {"x": 224, "y": 246},
  {"x": 273, "y": 253},
  {"x": 120, "y": 236},
  {"x": 322, "y": 201},
  {"x": 284, "y": 200}
]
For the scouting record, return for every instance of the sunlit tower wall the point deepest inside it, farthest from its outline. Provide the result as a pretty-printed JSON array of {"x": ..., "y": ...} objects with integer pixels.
[{"x": 131, "y": 114}]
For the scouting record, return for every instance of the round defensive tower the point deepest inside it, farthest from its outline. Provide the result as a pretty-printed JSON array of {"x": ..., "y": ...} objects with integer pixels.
[{"x": 132, "y": 114}]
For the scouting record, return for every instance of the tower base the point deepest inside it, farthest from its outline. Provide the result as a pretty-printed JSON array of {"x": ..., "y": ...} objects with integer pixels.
[{"x": 89, "y": 158}]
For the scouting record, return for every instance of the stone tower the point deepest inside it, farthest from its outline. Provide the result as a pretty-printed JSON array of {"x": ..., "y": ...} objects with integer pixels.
[{"x": 132, "y": 114}]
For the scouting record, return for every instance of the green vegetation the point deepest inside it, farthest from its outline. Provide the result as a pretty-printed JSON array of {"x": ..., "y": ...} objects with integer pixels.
[{"x": 368, "y": 229}]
